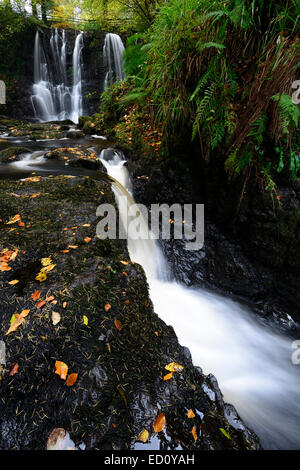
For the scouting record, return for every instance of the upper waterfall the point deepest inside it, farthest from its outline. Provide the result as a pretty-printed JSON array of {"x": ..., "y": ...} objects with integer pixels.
[
  {"x": 113, "y": 51},
  {"x": 53, "y": 98}
]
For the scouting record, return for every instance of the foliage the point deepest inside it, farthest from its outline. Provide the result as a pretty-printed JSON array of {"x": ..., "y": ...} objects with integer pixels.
[{"x": 222, "y": 70}]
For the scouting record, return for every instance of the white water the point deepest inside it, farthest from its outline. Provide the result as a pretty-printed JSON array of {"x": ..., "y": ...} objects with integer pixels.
[
  {"x": 252, "y": 364},
  {"x": 113, "y": 51},
  {"x": 52, "y": 98}
]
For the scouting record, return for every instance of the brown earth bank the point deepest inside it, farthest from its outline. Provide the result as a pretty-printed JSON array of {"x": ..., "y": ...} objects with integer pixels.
[{"x": 107, "y": 332}]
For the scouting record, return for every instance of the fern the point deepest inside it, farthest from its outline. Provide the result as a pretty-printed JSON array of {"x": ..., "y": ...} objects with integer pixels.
[
  {"x": 289, "y": 112},
  {"x": 258, "y": 129}
]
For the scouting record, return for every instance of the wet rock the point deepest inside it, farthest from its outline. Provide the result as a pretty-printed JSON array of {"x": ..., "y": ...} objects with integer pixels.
[
  {"x": 13, "y": 154},
  {"x": 75, "y": 134}
]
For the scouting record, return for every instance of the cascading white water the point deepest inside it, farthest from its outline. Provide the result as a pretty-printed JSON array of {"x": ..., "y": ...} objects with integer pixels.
[
  {"x": 113, "y": 51},
  {"x": 252, "y": 364},
  {"x": 53, "y": 99}
]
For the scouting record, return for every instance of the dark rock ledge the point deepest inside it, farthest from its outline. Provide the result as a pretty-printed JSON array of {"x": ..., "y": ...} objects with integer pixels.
[{"x": 120, "y": 388}]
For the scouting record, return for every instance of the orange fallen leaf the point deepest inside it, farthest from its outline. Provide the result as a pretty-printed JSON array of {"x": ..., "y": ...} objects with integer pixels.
[
  {"x": 21, "y": 224},
  {"x": 4, "y": 267},
  {"x": 12, "y": 283},
  {"x": 168, "y": 376},
  {"x": 159, "y": 423},
  {"x": 64, "y": 304},
  {"x": 71, "y": 379},
  {"x": 13, "y": 370},
  {"x": 61, "y": 369},
  {"x": 118, "y": 324},
  {"x": 191, "y": 414},
  {"x": 24, "y": 313},
  {"x": 15, "y": 219},
  {"x": 40, "y": 304},
  {"x": 36, "y": 295},
  {"x": 107, "y": 307},
  {"x": 194, "y": 433},
  {"x": 18, "y": 320},
  {"x": 48, "y": 299},
  {"x": 124, "y": 262},
  {"x": 87, "y": 239},
  {"x": 64, "y": 251},
  {"x": 73, "y": 247}
]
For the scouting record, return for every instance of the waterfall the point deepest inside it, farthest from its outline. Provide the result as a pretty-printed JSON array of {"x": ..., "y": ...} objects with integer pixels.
[
  {"x": 251, "y": 362},
  {"x": 113, "y": 51},
  {"x": 53, "y": 99}
]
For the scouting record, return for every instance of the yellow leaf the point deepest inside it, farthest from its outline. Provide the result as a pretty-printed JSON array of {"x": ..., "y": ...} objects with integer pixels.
[
  {"x": 85, "y": 320},
  {"x": 191, "y": 414},
  {"x": 46, "y": 261},
  {"x": 48, "y": 268},
  {"x": 194, "y": 433},
  {"x": 41, "y": 276},
  {"x": 159, "y": 423},
  {"x": 143, "y": 436},
  {"x": 173, "y": 367},
  {"x": 12, "y": 283},
  {"x": 15, "y": 219}
]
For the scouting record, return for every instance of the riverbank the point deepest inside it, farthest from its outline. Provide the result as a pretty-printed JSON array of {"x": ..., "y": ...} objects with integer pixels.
[{"x": 107, "y": 331}]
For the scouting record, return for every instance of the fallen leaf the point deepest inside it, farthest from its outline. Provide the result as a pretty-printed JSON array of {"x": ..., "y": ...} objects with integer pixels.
[
  {"x": 21, "y": 224},
  {"x": 174, "y": 367},
  {"x": 85, "y": 320},
  {"x": 46, "y": 261},
  {"x": 17, "y": 321},
  {"x": 61, "y": 369},
  {"x": 118, "y": 324},
  {"x": 48, "y": 299},
  {"x": 87, "y": 239},
  {"x": 15, "y": 219},
  {"x": 40, "y": 304},
  {"x": 73, "y": 247},
  {"x": 55, "y": 316},
  {"x": 159, "y": 423},
  {"x": 24, "y": 313},
  {"x": 64, "y": 304},
  {"x": 4, "y": 267},
  {"x": 225, "y": 433},
  {"x": 168, "y": 376},
  {"x": 13, "y": 370},
  {"x": 12, "y": 283},
  {"x": 86, "y": 225},
  {"x": 143, "y": 436},
  {"x": 71, "y": 379},
  {"x": 41, "y": 276},
  {"x": 64, "y": 251},
  {"x": 124, "y": 262},
  {"x": 48, "y": 268},
  {"x": 36, "y": 295},
  {"x": 191, "y": 414},
  {"x": 194, "y": 433},
  {"x": 107, "y": 307}
]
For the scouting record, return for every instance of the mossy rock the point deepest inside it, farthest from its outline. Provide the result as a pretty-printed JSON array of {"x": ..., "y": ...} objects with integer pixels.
[
  {"x": 12, "y": 154},
  {"x": 75, "y": 134}
]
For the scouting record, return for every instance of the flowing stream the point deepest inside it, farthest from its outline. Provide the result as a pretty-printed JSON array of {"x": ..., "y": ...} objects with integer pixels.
[
  {"x": 53, "y": 99},
  {"x": 252, "y": 364}
]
